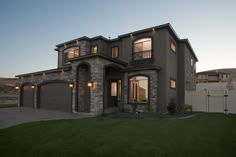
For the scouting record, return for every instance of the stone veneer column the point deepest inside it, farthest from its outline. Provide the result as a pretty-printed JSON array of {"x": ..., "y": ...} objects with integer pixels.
[
  {"x": 35, "y": 96},
  {"x": 19, "y": 95},
  {"x": 125, "y": 88},
  {"x": 96, "y": 94},
  {"x": 73, "y": 99}
]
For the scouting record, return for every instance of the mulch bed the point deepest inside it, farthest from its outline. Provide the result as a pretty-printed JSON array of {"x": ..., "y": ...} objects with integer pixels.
[{"x": 152, "y": 116}]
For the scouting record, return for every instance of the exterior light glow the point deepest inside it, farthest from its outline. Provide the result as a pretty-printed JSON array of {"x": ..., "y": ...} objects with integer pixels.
[
  {"x": 32, "y": 86},
  {"x": 90, "y": 84},
  {"x": 17, "y": 87},
  {"x": 71, "y": 85}
]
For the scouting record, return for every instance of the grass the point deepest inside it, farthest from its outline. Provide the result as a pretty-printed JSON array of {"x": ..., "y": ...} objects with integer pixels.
[{"x": 201, "y": 136}]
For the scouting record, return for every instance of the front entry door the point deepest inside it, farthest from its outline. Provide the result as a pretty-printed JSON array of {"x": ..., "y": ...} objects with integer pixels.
[{"x": 115, "y": 93}]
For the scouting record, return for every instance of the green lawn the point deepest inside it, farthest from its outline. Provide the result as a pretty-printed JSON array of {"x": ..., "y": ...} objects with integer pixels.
[{"x": 202, "y": 136}]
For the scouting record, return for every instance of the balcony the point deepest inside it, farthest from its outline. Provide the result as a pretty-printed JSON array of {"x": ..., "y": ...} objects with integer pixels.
[{"x": 142, "y": 57}]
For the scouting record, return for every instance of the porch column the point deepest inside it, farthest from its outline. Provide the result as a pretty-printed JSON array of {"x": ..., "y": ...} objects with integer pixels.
[
  {"x": 73, "y": 97},
  {"x": 96, "y": 92}
]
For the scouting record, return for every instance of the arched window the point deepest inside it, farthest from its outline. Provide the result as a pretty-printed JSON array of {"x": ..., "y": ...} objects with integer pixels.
[
  {"x": 138, "y": 89},
  {"x": 72, "y": 52},
  {"x": 142, "y": 49}
]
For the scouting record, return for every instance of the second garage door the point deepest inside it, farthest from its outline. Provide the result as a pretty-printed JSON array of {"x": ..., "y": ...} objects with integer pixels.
[{"x": 55, "y": 96}]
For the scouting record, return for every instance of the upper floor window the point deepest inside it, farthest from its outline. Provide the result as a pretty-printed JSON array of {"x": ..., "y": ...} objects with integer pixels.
[
  {"x": 114, "y": 52},
  {"x": 142, "y": 49},
  {"x": 94, "y": 49},
  {"x": 72, "y": 52},
  {"x": 173, "y": 46},
  {"x": 193, "y": 64},
  {"x": 138, "y": 89}
]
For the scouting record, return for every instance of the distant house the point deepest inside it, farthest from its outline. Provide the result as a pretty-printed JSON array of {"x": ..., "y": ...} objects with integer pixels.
[
  {"x": 146, "y": 67},
  {"x": 217, "y": 79},
  {"x": 212, "y": 76},
  {"x": 216, "y": 75}
]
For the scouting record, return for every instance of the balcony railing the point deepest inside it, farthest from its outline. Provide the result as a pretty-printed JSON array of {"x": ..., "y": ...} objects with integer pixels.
[{"x": 142, "y": 57}]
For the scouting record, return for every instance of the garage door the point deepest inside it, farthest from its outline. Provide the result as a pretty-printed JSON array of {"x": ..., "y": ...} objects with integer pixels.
[
  {"x": 55, "y": 96},
  {"x": 27, "y": 99}
]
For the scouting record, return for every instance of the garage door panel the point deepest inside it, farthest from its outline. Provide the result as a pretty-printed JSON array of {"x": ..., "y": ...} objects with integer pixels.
[
  {"x": 56, "y": 96},
  {"x": 27, "y": 96}
]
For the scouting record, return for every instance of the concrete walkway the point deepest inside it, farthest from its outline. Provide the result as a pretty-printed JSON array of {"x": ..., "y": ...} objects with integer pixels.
[{"x": 18, "y": 115}]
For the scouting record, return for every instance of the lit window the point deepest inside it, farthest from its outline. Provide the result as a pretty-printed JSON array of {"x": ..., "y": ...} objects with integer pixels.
[
  {"x": 172, "y": 84},
  {"x": 94, "y": 49},
  {"x": 142, "y": 49},
  {"x": 138, "y": 89},
  {"x": 72, "y": 52},
  {"x": 114, "y": 89},
  {"x": 173, "y": 46},
  {"x": 114, "y": 52}
]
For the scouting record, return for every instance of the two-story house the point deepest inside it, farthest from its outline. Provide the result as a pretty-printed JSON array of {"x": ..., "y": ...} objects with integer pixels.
[
  {"x": 146, "y": 67},
  {"x": 213, "y": 76}
]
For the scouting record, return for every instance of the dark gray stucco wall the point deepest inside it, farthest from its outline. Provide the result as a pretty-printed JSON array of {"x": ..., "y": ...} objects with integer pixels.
[
  {"x": 172, "y": 69},
  {"x": 181, "y": 73},
  {"x": 190, "y": 72}
]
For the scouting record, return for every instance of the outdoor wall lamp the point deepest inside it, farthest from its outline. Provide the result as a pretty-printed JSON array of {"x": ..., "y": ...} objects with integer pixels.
[
  {"x": 17, "y": 87},
  {"x": 92, "y": 84},
  {"x": 32, "y": 86},
  {"x": 71, "y": 85}
]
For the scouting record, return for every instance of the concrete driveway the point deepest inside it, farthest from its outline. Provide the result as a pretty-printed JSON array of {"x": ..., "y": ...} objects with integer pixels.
[{"x": 18, "y": 115}]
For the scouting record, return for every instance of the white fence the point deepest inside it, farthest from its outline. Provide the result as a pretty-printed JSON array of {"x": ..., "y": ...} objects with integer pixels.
[{"x": 212, "y": 101}]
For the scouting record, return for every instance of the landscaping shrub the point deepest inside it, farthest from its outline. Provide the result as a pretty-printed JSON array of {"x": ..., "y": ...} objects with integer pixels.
[
  {"x": 149, "y": 108},
  {"x": 134, "y": 107},
  {"x": 171, "y": 107},
  {"x": 185, "y": 108}
]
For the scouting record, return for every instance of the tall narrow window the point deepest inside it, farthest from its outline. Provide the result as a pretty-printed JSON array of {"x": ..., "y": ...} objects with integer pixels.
[
  {"x": 192, "y": 62},
  {"x": 114, "y": 89},
  {"x": 173, "y": 46},
  {"x": 94, "y": 49},
  {"x": 142, "y": 49},
  {"x": 138, "y": 89},
  {"x": 172, "y": 84},
  {"x": 114, "y": 52}
]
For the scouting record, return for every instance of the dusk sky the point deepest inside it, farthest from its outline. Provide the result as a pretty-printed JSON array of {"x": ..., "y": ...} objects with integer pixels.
[{"x": 30, "y": 29}]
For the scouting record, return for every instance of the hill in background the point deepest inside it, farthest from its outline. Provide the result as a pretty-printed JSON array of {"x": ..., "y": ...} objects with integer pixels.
[
  {"x": 7, "y": 86},
  {"x": 8, "y": 93}
]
